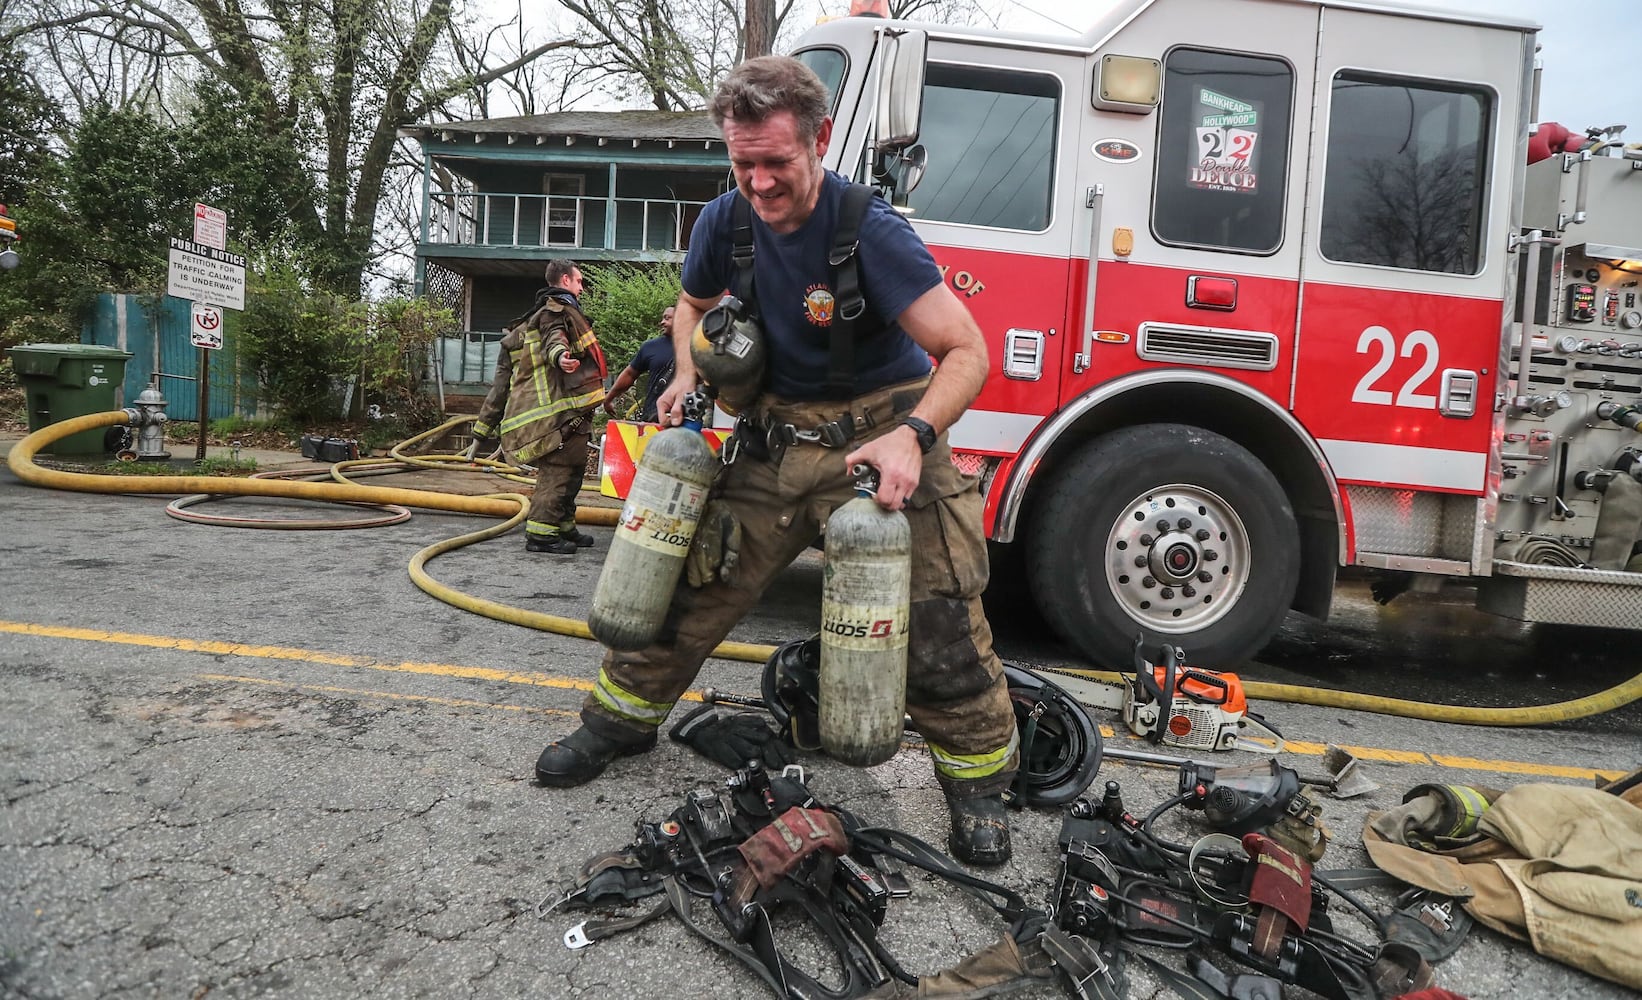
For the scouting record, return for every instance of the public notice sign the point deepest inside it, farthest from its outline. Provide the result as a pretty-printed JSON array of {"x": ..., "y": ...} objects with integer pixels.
[{"x": 206, "y": 274}]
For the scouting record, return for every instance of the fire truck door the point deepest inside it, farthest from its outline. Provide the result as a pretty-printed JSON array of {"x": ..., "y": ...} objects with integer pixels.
[
  {"x": 1000, "y": 129},
  {"x": 1406, "y": 265},
  {"x": 1198, "y": 242}
]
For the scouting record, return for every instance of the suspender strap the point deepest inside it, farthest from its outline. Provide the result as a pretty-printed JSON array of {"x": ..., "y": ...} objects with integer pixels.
[
  {"x": 849, "y": 303},
  {"x": 741, "y": 223}
]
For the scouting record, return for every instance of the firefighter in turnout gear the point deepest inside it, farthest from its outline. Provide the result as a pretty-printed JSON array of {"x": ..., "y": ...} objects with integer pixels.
[
  {"x": 549, "y": 378},
  {"x": 848, "y": 381}
]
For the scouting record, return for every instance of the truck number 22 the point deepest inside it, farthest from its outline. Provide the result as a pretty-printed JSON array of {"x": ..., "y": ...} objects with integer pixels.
[{"x": 1419, "y": 340}]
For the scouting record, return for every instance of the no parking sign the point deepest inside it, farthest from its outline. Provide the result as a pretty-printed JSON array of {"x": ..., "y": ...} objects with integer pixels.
[{"x": 206, "y": 328}]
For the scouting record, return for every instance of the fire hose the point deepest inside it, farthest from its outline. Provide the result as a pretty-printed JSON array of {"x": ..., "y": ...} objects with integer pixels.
[{"x": 511, "y": 508}]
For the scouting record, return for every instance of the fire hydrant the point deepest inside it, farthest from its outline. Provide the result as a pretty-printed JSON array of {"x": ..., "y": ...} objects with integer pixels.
[{"x": 148, "y": 415}]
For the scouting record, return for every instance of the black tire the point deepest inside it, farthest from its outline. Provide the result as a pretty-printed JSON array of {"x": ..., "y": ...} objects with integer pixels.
[{"x": 1103, "y": 510}]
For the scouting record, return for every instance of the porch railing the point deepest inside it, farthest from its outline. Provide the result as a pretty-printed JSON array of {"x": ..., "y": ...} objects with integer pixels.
[{"x": 467, "y": 218}]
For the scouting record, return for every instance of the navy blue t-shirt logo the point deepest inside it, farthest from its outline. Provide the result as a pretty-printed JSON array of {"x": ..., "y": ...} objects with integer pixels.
[{"x": 818, "y": 305}]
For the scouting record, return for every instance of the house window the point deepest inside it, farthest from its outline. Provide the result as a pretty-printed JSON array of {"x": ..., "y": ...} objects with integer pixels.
[
  {"x": 1405, "y": 174},
  {"x": 1223, "y": 151},
  {"x": 991, "y": 141},
  {"x": 562, "y": 222}
]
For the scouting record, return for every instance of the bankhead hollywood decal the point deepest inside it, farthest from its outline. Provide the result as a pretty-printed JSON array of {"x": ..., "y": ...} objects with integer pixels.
[{"x": 1223, "y": 157}]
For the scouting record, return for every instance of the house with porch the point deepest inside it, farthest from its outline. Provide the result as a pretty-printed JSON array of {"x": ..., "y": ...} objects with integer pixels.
[{"x": 502, "y": 196}]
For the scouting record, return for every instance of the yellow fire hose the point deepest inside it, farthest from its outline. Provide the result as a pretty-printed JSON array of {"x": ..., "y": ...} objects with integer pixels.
[{"x": 512, "y": 508}]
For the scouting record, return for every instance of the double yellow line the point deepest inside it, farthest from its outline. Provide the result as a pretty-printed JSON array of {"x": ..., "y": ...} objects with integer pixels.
[{"x": 533, "y": 679}]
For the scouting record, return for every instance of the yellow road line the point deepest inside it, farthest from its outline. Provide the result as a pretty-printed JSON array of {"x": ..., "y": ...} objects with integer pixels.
[
  {"x": 297, "y": 654},
  {"x": 293, "y": 653},
  {"x": 389, "y": 695}
]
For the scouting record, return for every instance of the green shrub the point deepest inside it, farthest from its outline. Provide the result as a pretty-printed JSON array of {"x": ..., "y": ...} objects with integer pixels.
[
  {"x": 300, "y": 346},
  {"x": 625, "y": 301},
  {"x": 393, "y": 339}
]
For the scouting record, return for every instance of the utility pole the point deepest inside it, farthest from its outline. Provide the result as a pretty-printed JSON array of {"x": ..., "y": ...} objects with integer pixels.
[{"x": 760, "y": 33}]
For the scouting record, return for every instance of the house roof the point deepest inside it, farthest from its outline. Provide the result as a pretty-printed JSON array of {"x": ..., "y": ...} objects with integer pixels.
[{"x": 625, "y": 125}]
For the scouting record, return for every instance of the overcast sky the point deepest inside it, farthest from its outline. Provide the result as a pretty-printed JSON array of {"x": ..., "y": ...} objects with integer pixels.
[{"x": 1586, "y": 46}]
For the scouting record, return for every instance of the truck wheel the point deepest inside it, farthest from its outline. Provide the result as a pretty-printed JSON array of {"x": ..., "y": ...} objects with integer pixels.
[{"x": 1169, "y": 531}]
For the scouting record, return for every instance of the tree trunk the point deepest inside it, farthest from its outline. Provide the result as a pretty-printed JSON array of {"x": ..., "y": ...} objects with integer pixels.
[{"x": 760, "y": 28}]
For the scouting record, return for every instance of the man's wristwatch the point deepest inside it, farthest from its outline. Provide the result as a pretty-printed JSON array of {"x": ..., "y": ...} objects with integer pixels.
[{"x": 926, "y": 433}]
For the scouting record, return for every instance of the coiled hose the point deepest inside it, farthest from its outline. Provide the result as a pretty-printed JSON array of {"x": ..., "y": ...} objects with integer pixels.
[{"x": 512, "y": 508}]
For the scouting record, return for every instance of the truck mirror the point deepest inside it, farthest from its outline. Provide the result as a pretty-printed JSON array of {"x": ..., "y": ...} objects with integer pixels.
[{"x": 900, "y": 89}]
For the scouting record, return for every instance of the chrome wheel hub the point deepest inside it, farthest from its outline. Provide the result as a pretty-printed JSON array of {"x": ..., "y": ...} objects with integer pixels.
[{"x": 1177, "y": 559}]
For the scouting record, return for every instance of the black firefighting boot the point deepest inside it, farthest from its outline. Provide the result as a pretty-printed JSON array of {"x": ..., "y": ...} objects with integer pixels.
[
  {"x": 583, "y": 756},
  {"x": 556, "y": 544},
  {"x": 980, "y": 829},
  {"x": 582, "y": 539}
]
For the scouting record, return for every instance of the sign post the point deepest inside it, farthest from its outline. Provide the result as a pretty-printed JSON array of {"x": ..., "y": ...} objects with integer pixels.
[{"x": 203, "y": 270}]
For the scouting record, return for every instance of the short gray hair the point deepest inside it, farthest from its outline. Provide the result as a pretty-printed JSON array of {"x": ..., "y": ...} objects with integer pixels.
[{"x": 761, "y": 87}]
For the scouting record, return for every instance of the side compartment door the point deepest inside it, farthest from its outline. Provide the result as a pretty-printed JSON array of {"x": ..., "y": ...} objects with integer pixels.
[{"x": 1406, "y": 265}]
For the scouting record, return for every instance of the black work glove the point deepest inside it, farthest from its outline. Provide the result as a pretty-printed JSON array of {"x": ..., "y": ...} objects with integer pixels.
[{"x": 732, "y": 738}]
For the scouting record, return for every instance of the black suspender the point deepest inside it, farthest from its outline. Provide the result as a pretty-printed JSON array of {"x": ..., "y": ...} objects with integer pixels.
[
  {"x": 849, "y": 304},
  {"x": 741, "y": 222}
]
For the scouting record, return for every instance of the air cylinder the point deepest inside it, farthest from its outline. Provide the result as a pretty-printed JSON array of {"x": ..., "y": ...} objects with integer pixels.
[
  {"x": 865, "y": 597},
  {"x": 727, "y": 348},
  {"x": 652, "y": 537}
]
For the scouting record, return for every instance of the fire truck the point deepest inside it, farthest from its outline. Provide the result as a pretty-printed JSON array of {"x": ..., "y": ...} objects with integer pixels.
[{"x": 1271, "y": 288}]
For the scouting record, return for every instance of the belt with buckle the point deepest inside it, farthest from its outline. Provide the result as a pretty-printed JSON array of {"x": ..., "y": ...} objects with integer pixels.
[
  {"x": 832, "y": 434},
  {"x": 776, "y": 436}
]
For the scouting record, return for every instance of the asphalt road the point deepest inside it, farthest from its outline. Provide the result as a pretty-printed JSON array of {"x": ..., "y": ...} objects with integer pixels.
[{"x": 241, "y": 763}]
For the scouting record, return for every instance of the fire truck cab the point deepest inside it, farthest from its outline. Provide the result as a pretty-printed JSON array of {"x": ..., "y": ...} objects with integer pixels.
[{"x": 1249, "y": 272}]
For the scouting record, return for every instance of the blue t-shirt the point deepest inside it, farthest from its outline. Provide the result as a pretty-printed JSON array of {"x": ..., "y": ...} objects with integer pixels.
[
  {"x": 655, "y": 356},
  {"x": 792, "y": 282}
]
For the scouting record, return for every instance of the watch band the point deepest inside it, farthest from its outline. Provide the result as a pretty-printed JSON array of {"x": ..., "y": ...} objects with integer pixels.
[{"x": 926, "y": 433}]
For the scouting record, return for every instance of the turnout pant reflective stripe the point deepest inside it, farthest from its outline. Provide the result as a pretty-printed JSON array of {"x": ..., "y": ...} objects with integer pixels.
[
  {"x": 971, "y": 767},
  {"x": 627, "y": 704},
  {"x": 559, "y": 476}
]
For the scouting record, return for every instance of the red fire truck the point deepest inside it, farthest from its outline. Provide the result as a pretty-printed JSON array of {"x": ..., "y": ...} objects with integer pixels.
[{"x": 1271, "y": 288}]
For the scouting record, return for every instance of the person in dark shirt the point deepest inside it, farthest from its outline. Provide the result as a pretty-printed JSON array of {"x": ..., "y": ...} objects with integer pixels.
[
  {"x": 655, "y": 358},
  {"x": 786, "y": 476}
]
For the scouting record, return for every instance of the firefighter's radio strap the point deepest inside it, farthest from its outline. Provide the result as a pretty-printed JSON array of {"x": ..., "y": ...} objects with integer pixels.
[{"x": 849, "y": 304}]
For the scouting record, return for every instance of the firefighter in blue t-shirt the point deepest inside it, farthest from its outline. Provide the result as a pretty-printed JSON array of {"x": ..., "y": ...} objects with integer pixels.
[
  {"x": 774, "y": 498},
  {"x": 654, "y": 358}
]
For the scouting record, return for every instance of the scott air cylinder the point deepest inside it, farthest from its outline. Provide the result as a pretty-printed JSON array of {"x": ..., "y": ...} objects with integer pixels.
[
  {"x": 653, "y": 534},
  {"x": 727, "y": 347},
  {"x": 865, "y": 595}
]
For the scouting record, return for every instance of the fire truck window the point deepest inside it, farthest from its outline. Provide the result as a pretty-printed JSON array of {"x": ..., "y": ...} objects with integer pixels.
[
  {"x": 828, "y": 64},
  {"x": 991, "y": 141},
  {"x": 1404, "y": 180},
  {"x": 1223, "y": 150}
]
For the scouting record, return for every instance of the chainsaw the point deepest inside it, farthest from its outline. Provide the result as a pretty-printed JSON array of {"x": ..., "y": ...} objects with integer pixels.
[
  {"x": 1183, "y": 706},
  {"x": 1175, "y": 705}
]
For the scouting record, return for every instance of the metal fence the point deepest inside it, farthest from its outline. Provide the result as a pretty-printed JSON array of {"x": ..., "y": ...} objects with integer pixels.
[{"x": 155, "y": 331}]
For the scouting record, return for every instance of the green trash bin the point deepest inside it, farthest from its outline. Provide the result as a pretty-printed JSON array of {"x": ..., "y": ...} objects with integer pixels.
[{"x": 70, "y": 380}]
